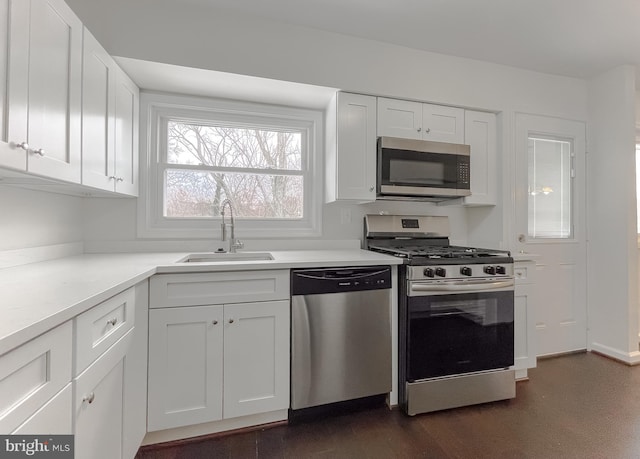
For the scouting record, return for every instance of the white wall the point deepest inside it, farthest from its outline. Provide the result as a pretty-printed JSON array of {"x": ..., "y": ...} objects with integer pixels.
[
  {"x": 612, "y": 235},
  {"x": 36, "y": 218},
  {"x": 188, "y": 35}
]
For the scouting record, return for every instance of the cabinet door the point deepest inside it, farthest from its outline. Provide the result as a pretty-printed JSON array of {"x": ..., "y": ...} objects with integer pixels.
[
  {"x": 135, "y": 377},
  {"x": 480, "y": 134},
  {"x": 185, "y": 366},
  {"x": 256, "y": 358},
  {"x": 55, "y": 89},
  {"x": 399, "y": 118},
  {"x": 14, "y": 68},
  {"x": 442, "y": 124},
  {"x": 98, "y": 114},
  {"x": 126, "y": 134},
  {"x": 98, "y": 404},
  {"x": 524, "y": 317},
  {"x": 356, "y": 149}
]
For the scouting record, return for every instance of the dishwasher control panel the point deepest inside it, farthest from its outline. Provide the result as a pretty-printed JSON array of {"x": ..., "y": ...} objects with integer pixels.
[{"x": 336, "y": 280}]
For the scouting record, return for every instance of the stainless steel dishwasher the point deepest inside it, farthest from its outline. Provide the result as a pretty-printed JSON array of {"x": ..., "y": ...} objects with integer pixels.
[{"x": 340, "y": 334}]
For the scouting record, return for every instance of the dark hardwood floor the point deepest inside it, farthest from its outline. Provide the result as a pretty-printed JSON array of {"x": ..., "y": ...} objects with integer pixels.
[{"x": 574, "y": 406}]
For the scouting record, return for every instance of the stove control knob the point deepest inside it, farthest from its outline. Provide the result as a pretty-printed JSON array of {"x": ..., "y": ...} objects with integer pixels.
[
  {"x": 490, "y": 269},
  {"x": 441, "y": 272},
  {"x": 428, "y": 272},
  {"x": 501, "y": 270},
  {"x": 465, "y": 271}
]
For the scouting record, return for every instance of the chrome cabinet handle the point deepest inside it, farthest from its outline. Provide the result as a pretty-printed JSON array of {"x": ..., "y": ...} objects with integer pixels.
[
  {"x": 427, "y": 130},
  {"x": 215, "y": 322},
  {"x": 113, "y": 177},
  {"x": 23, "y": 145},
  {"x": 231, "y": 321},
  {"x": 39, "y": 151},
  {"x": 419, "y": 129},
  {"x": 89, "y": 398},
  {"x": 113, "y": 321},
  {"x": 119, "y": 179},
  {"x": 371, "y": 188}
]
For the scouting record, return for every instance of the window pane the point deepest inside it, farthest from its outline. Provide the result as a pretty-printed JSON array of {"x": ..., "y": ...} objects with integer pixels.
[
  {"x": 549, "y": 188},
  {"x": 194, "y": 194},
  {"x": 223, "y": 146}
]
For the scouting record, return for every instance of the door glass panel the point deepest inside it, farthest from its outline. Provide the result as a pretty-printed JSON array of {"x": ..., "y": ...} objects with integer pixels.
[{"x": 549, "y": 188}]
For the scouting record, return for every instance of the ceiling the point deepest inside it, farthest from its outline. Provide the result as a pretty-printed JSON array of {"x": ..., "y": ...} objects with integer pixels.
[{"x": 578, "y": 38}]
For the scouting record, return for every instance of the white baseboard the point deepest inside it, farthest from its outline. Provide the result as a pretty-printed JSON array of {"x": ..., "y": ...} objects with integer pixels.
[
  {"x": 18, "y": 257},
  {"x": 630, "y": 358},
  {"x": 197, "y": 430}
]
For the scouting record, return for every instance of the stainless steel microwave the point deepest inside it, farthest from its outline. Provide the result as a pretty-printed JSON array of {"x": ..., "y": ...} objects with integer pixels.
[{"x": 420, "y": 169}]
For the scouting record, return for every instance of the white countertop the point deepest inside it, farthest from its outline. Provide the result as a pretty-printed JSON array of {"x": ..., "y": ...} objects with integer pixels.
[{"x": 37, "y": 297}]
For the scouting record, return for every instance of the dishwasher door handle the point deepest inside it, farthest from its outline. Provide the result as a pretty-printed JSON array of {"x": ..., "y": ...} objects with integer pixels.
[{"x": 351, "y": 275}]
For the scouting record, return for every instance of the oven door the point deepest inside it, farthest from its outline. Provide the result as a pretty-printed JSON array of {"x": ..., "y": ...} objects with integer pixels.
[{"x": 450, "y": 334}]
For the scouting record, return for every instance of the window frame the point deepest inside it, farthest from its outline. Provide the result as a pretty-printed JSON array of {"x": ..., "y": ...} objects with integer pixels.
[
  {"x": 532, "y": 135},
  {"x": 157, "y": 108}
]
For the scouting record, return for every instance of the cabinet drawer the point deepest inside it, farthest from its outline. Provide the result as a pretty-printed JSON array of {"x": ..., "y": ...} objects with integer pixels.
[
  {"x": 55, "y": 417},
  {"x": 172, "y": 290},
  {"x": 33, "y": 373},
  {"x": 101, "y": 326}
]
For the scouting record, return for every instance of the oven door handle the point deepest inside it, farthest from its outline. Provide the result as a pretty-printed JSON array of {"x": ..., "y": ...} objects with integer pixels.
[{"x": 462, "y": 286}]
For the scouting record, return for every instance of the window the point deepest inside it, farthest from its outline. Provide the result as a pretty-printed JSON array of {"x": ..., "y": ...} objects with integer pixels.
[
  {"x": 264, "y": 159},
  {"x": 550, "y": 188}
]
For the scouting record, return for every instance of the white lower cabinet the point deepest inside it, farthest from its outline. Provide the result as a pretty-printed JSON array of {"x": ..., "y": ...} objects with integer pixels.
[
  {"x": 134, "y": 422},
  {"x": 31, "y": 376},
  {"x": 99, "y": 404},
  {"x": 54, "y": 418},
  {"x": 256, "y": 358},
  {"x": 524, "y": 318},
  {"x": 185, "y": 366},
  {"x": 208, "y": 363}
]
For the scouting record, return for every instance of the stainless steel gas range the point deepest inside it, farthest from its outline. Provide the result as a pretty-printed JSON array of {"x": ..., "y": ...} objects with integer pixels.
[{"x": 455, "y": 314}]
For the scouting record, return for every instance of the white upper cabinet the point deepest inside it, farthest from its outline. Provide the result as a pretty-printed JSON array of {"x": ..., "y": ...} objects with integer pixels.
[
  {"x": 127, "y": 100},
  {"x": 98, "y": 114},
  {"x": 14, "y": 68},
  {"x": 480, "y": 134},
  {"x": 351, "y": 155},
  {"x": 399, "y": 118},
  {"x": 415, "y": 120},
  {"x": 109, "y": 122},
  {"x": 54, "y": 91},
  {"x": 67, "y": 111}
]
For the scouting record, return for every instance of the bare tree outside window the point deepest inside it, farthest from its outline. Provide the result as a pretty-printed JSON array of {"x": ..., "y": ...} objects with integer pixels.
[{"x": 259, "y": 170}]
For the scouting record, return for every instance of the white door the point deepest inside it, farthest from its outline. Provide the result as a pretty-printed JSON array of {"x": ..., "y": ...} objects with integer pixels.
[
  {"x": 442, "y": 124},
  {"x": 126, "y": 134},
  {"x": 399, "y": 118},
  {"x": 98, "y": 416},
  {"x": 55, "y": 90},
  {"x": 356, "y": 169},
  {"x": 14, "y": 68},
  {"x": 98, "y": 113},
  {"x": 185, "y": 366},
  {"x": 256, "y": 358},
  {"x": 550, "y": 222}
]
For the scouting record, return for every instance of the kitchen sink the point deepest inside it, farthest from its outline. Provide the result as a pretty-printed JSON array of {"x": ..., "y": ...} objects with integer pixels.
[{"x": 212, "y": 257}]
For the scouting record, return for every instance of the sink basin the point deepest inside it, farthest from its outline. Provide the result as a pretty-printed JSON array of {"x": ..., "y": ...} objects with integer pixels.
[{"x": 212, "y": 257}]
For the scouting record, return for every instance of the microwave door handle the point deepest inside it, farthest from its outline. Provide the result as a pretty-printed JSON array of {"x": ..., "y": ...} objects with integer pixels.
[{"x": 462, "y": 286}]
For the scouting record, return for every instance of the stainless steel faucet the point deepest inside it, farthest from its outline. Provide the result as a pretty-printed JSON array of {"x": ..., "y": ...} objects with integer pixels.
[{"x": 233, "y": 242}]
